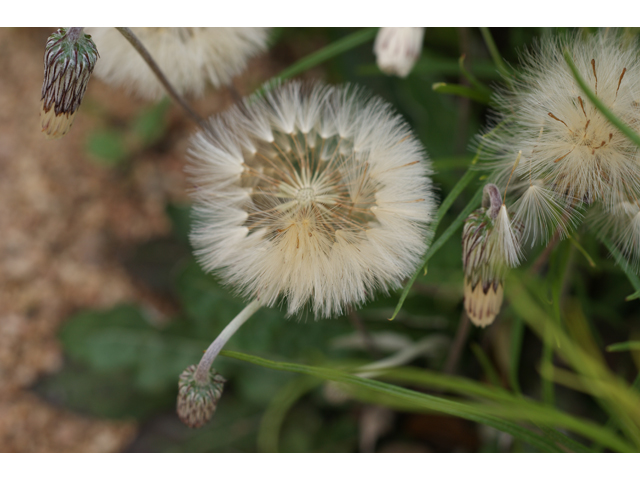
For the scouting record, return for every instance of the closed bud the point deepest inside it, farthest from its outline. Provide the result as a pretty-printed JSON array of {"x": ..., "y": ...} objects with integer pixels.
[
  {"x": 69, "y": 58},
  {"x": 490, "y": 246},
  {"x": 397, "y": 49},
  {"x": 197, "y": 401}
]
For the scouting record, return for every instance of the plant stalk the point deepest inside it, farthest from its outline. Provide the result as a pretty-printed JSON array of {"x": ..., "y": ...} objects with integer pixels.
[
  {"x": 146, "y": 56},
  {"x": 202, "y": 372}
]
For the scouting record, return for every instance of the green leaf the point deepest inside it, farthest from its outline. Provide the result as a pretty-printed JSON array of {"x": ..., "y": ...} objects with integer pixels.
[
  {"x": 462, "y": 91},
  {"x": 398, "y": 397},
  {"x": 493, "y": 50},
  {"x": 620, "y": 400},
  {"x": 624, "y": 346},
  {"x": 151, "y": 123},
  {"x": 121, "y": 338},
  {"x": 107, "y": 147},
  {"x": 319, "y": 56},
  {"x": 180, "y": 216},
  {"x": 626, "y": 268},
  {"x": 448, "y": 233},
  {"x": 103, "y": 394}
]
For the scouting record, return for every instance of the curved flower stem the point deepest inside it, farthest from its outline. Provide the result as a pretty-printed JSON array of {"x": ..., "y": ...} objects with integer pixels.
[
  {"x": 146, "y": 56},
  {"x": 202, "y": 372}
]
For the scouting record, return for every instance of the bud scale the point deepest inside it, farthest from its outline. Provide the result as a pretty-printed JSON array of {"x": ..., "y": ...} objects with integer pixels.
[{"x": 69, "y": 59}]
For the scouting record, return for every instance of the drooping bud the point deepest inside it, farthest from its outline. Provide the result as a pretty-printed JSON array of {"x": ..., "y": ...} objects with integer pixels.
[
  {"x": 490, "y": 246},
  {"x": 397, "y": 49},
  {"x": 69, "y": 58},
  {"x": 197, "y": 402}
]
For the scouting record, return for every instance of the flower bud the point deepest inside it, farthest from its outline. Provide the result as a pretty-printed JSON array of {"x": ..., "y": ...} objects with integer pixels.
[
  {"x": 397, "y": 49},
  {"x": 69, "y": 58},
  {"x": 197, "y": 402},
  {"x": 490, "y": 246}
]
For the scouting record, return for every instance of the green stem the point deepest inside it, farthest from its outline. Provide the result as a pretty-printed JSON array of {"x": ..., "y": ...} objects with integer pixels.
[
  {"x": 462, "y": 91},
  {"x": 472, "y": 80},
  {"x": 493, "y": 51},
  {"x": 146, "y": 56},
  {"x": 486, "y": 414},
  {"x": 633, "y": 278},
  {"x": 457, "y": 223},
  {"x": 316, "y": 58},
  {"x": 444, "y": 208},
  {"x": 202, "y": 372}
]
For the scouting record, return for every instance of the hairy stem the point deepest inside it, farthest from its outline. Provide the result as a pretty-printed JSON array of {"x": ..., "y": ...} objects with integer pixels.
[
  {"x": 202, "y": 372},
  {"x": 146, "y": 56},
  {"x": 74, "y": 33}
]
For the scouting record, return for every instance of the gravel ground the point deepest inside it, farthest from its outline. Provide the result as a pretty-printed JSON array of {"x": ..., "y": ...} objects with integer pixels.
[{"x": 65, "y": 222}]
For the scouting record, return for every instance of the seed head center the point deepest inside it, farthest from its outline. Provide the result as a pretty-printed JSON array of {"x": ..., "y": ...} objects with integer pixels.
[{"x": 306, "y": 196}]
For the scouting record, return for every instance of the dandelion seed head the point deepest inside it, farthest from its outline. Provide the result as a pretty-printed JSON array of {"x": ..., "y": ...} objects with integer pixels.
[
  {"x": 290, "y": 211},
  {"x": 189, "y": 57},
  {"x": 572, "y": 156}
]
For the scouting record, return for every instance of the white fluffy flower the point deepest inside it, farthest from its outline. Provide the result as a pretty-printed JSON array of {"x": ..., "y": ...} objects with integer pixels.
[
  {"x": 189, "y": 57},
  {"x": 314, "y": 195},
  {"x": 572, "y": 156},
  {"x": 397, "y": 49}
]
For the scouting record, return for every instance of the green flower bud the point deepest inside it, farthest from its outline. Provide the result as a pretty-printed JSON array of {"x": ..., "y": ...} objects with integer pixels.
[
  {"x": 69, "y": 58},
  {"x": 197, "y": 402}
]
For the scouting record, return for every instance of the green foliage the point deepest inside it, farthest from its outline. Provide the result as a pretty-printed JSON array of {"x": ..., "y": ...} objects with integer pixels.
[
  {"x": 107, "y": 147},
  {"x": 111, "y": 146}
]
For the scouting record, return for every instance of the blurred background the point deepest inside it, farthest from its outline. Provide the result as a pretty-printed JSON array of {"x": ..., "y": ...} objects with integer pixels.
[{"x": 102, "y": 304}]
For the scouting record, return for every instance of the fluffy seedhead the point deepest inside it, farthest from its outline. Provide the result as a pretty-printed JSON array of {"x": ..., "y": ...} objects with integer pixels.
[
  {"x": 490, "y": 247},
  {"x": 312, "y": 194},
  {"x": 397, "y": 49},
  {"x": 197, "y": 402},
  {"x": 189, "y": 57},
  {"x": 69, "y": 59},
  {"x": 572, "y": 156}
]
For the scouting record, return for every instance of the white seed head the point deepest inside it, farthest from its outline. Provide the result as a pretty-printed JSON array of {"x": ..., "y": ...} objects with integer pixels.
[
  {"x": 313, "y": 195},
  {"x": 622, "y": 224},
  {"x": 397, "y": 49},
  {"x": 189, "y": 57},
  {"x": 571, "y": 154},
  {"x": 542, "y": 213}
]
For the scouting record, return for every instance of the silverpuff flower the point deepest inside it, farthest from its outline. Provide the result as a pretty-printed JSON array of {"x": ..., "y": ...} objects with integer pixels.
[
  {"x": 189, "y": 57},
  {"x": 311, "y": 195},
  {"x": 572, "y": 156}
]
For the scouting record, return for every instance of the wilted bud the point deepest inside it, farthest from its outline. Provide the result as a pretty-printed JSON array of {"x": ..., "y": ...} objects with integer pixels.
[
  {"x": 69, "y": 58},
  {"x": 397, "y": 49},
  {"x": 197, "y": 402},
  {"x": 490, "y": 246}
]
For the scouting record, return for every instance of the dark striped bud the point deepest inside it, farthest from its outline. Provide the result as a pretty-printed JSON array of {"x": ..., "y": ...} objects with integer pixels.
[
  {"x": 69, "y": 58},
  {"x": 490, "y": 247},
  {"x": 197, "y": 402}
]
